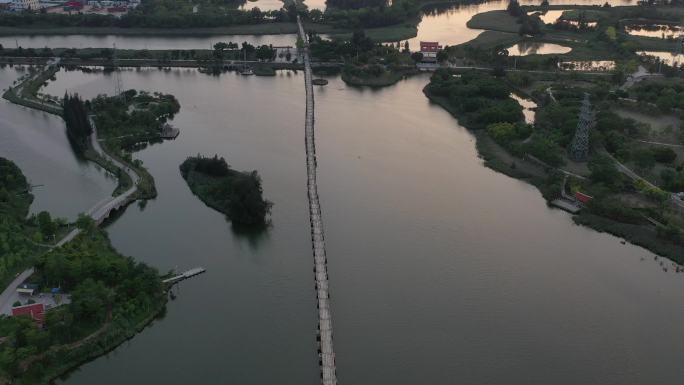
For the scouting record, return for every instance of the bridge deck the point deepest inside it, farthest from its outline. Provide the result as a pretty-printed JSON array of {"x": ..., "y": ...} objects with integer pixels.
[{"x": 325, "y": 349}]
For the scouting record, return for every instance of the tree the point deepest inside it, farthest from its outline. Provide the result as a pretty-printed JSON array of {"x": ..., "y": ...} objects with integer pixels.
[
  {"x": 220, "y": 46},
  {"x": 514, "y": 9},
  {"x": 85, "y": 222},
  {"x": 46, "y": 224},
  {"x": 77, "y": 121},
  {"x": 643, "y": 158},
  {"x": 417, "y": 56},
  {"x": 442, "y": 56},
  {"x": 603, "y": 170},
  {"x": 406, "y": 46}
]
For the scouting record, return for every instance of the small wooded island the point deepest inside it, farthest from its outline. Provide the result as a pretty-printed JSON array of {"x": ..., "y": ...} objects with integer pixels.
[{"x": 234, "y": 193}]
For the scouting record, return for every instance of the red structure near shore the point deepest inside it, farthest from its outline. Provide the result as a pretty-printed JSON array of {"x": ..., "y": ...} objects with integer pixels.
[{"x": 35, "y": 310}]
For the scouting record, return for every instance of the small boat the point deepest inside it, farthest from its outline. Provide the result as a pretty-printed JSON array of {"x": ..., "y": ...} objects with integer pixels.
[{"x": 319, "y": 82}]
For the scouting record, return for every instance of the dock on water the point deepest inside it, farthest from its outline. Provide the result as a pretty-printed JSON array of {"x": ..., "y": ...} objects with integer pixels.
[
  {"x": 184, "y": 275},
  {"x": 169, "y": 132},
  {"x": 567, "y": 205}
]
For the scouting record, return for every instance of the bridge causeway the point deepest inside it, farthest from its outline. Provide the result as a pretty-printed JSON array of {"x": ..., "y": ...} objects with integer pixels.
[{"x": 325, "y": 334}]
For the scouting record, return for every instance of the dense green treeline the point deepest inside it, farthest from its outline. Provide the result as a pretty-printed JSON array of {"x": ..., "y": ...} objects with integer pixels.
[
  {"x": 16, "y": 248},
  {"x": 236, "y": 194},
  {"x": 478, "y": 99},
  {"x": 77, "y": 122}
]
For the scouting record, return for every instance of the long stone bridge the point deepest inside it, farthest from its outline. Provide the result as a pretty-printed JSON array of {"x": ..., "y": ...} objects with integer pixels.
[{"x": 325, "y": 334}]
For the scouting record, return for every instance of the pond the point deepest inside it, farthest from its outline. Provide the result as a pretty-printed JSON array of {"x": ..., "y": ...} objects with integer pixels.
[
  {"x": 669, "y": 58},
  {"x": 587, "y": 65},
  {"x": 655, "y": 30},
  {"x": 525, "y": 48},
  {"x": 528, "y": 105}
]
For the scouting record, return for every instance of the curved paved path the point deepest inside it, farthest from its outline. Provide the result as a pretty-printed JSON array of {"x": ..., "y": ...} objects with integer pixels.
[{"x": 99, "y": 212}]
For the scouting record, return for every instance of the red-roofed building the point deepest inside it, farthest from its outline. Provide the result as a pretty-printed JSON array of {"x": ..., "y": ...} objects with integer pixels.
[
  {"x": 584, "y": 198},
  {"x": 35, "y": 310},
  {"x": 429, "y": 50}
]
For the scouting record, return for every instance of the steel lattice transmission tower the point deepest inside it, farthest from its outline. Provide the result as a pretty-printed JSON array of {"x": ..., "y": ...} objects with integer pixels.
[
  {"x": 579, "y": 147},
  {"x": 118, "y": 87}
]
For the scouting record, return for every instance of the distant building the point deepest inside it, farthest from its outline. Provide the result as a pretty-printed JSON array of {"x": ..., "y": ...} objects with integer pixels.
[
  {"x": 25, "y": 5},
  {"x": 35, "y": 310},
  {"x": 429, "y": 50},
  {"x": 5, "y": 5}
]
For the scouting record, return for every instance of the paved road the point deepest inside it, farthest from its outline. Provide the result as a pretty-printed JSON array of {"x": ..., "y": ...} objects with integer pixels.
[{"x": 7, "y": 297}]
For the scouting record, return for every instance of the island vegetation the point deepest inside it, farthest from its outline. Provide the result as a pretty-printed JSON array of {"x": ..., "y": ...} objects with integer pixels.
[
  {"x": 103, "y": 297},
  {"x": 236, "y": 194}
]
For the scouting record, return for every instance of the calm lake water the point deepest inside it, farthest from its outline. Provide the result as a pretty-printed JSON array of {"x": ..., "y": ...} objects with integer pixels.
[
  {"x": 535, "y": 48},
  {"x": 441, "y": 270},
  {"x": 37, "y": 143}
]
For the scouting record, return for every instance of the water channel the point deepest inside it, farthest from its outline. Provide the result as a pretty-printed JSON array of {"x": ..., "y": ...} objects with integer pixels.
[{"x": 441, "y": 270}]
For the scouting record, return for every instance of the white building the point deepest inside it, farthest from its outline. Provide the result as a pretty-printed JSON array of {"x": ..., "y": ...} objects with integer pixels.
[{"x": 22, "y": 5}]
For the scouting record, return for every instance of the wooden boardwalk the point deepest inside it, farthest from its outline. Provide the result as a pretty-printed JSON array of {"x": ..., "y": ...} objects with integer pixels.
[
  {"x": 184, "y": 275},
  {"x": 325, "y": 334}
]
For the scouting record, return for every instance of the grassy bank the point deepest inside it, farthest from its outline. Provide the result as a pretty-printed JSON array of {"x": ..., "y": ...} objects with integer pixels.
[{"x": 494, "y": 21}]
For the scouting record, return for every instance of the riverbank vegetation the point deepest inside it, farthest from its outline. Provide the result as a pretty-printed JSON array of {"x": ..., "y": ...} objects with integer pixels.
[
  {"x": 632, "y": 199},
  {"x": 17, "y": 247},
  {"x": 110, "y": 296},
  {"x": 236, "y": 194}
]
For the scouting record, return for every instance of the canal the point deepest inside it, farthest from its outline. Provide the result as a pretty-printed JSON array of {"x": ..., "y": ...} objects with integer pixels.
[{"x": 441, "y": 270}]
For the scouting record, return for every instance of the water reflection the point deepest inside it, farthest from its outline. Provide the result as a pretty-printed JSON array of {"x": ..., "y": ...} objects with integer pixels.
[
  {"x": 588, "y": 65},
  {"x": 447, "y": 23},
  {"x": 664, "y": 31},
  {"x": 525, "y": 48},
  {"x": 528, "y": 105},
  {"x": 669, "y": 58}
]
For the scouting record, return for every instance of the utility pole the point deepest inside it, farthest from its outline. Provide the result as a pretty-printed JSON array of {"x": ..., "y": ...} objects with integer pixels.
[{"x": 579, "y": 147}]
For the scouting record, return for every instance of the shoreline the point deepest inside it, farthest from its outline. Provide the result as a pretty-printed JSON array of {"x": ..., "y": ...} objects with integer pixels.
[
  {"x": 110, "y": 335},
  {"x": 634, "y": 234}
]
